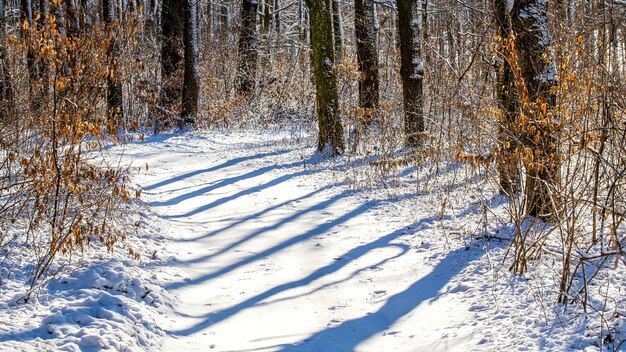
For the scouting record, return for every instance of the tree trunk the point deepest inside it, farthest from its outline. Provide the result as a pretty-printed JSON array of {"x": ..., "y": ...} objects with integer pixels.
[
  {"x": 115, "y": 109},
  {"x": 266, "y": 16},
  {"x": 411, "y": 70},
  {"x": 530, "y": 23},
  {"x": 277, "y": 16},
  {"x": 73, "y": 22},
  {"x": 338, "y": 29},
  {"x": 27, "y": 16},
  {"x": 248, "y": 40},
  {"x": 171, "y": 58},
  {"x": 330, "y": 141},
  {"x": 7, "y": 92},
  {"x": 508, "y": 101},
  {"x": 32, "y": 62},
  {"x": 191, "y": 81},
  {"x": 367, "y": 57}
]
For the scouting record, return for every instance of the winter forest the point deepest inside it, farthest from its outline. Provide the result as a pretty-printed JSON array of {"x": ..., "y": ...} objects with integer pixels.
[{"x": 312, "y": 175}]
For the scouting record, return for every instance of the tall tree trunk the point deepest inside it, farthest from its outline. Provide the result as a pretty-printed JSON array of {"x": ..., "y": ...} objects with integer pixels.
[
  {"x": 210, "y": 21},
  {"x": 27, "y": 17},
  {"x": 224, "y": 24},
  {"x": 32, "y": 63},
  {"x": 302, "y": 30},
  {"x": 73, "y": 21},
  {"x": 115, "y": 109},
  {"x": 277, "y": 24},
  {"x": 330, "y": 141},
  {"x": 266, "y": 16},
  {"x": 248, "y": 42},
  {"x": 7, "y": 92},
  {"x": 508, "y": 101},
  {"x": 411, "y": 70},
  {"x": 338, "y": 29},
  {"x": 171, "y": 58},
  {"x": 530, "y": 23},
  {"x": 367, "y": 57},
  {"x": 191, "y": 81}
]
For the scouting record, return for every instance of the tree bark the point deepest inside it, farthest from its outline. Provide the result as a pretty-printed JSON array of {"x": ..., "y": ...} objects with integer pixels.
[
  {"x": 508, "y": 101},
  {"x": 115, "y": 109},
  {"x": 7, "y": 92},
  {"x": 191, "y": 80},
  {"x": 330, "y": 141},
  {"x": 338, "y": 29},
  {"x": 73, "y": 22},
  {"x": 530, "y": 23},
  {"x": 367, "y": 57},
  {"x": 248, "y": 41},
  {"x": 171, "y": 58},
  {"x": 411, "y": 70}
]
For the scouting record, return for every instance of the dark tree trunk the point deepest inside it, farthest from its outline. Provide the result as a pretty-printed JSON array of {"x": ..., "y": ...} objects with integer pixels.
[
  {"x": 277, "y": 16},
  {"x": 266, "y": 16},
  {"x": 189, "y": 109},
  {"x": 27, "y": 16},
  {"x": 508, "y": 101},
  {"x": 530, "y": 23},
  {"x": 7, "y": 92},
  {"x": 338, "y": 29},
  {"x": 115, "y": 110},
  {"x": 330, "y": 141},
  {"x": 73, "y": 21},
  {"x": 248, "y": 41},
  {"x": 171, "y": 57},
  {"x": 367, "y": 57},
  {"x": 411, "y": 70},
  {"x": 32, "y": 63}
]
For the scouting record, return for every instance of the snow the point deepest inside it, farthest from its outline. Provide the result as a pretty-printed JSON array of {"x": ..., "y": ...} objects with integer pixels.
[{"x": 260, "y": 244}]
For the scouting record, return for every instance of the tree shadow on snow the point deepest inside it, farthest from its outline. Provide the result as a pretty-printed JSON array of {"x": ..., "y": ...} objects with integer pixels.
[
  {"x": 350, "y": 333},
  {"x": 223, "y": 165},
  {"x": 386, "y": 241}
]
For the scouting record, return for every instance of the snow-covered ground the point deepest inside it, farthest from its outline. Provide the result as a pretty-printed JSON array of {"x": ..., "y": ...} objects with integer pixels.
[{"x": 252, "y": 244}]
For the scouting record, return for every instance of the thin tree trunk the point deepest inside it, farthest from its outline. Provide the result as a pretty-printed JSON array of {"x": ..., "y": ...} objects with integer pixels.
[
  {"x": 367, "y": 57},
  {"x": 248, "y": 41},
  {"x": 330, "y": 141},
  {"x": 411, "y": 70},
  {"x": 191, "y": 81}
]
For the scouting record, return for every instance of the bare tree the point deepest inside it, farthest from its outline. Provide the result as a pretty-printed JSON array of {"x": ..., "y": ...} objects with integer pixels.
[
  {"x": 171, "y": 59},
  {"x": 367, "y": 56},
  {"x": 330, "y": 140},
  {"x": 412, "y": 69},
  {"x": 7, "y": 93},
  {"x": 191, "y": 81},
  {"x": 115, "y": 109},
  {"x": 248, "y": 42}
]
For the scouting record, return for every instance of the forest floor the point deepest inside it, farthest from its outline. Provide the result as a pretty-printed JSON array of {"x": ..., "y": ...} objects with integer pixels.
[{"x": 256, "y": 244}]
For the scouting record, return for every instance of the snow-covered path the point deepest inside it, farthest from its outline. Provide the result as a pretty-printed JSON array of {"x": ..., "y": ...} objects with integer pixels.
[{"x": 273, "y": 254}]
